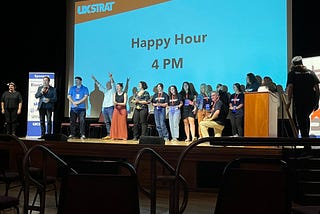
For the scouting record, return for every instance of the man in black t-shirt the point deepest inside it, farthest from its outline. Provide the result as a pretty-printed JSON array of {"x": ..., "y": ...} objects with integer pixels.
[
  {"x": 11, "y": 104},
  {"x": 217, "y": 118},
  {"x": 303, "y": 89}
]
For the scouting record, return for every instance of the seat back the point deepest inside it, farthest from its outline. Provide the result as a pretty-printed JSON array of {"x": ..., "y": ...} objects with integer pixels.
[
  {"x": 11, "y": 162},
  {"x": 39, "y": 175},
  {"x": 7, "y": 202},
  {"x": 98, "y": 193},
  {"x": 254, "y": 185}
]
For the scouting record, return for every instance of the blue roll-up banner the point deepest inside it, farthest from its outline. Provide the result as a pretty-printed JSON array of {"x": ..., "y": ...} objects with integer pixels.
[{"x": 35, "y": 80}]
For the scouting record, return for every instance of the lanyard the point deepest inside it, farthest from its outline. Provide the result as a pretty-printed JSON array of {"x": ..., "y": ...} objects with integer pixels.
[
  {"x": 235, "y": 98},
  {"x": 159, "y": 96}
]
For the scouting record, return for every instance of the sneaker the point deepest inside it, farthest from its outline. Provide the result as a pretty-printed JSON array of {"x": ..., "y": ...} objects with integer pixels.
[
  {"x": 174, "y": 139},
  {"x": 71, "y": 136},
  {"x": 83, "y": 137},
  {"x": 135, "y": 139}
]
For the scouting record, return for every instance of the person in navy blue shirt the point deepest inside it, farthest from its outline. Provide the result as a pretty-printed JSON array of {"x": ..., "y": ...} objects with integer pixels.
[
  {"x": 236, "y": 106},
  {"x": 47, "y": 97},
  {"x": 77, "y": 95},
  {"x": 160, "y": 102}
]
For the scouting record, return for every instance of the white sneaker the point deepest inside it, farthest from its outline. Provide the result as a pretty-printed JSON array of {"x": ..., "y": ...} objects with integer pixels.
[{"x": 83, "y": 137}]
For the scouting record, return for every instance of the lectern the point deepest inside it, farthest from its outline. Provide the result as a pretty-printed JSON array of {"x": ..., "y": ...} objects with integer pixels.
[{"x": 260, "y": 114}]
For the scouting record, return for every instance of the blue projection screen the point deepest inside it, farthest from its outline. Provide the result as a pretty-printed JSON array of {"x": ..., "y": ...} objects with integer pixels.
[{"x": 199, "y": 41}]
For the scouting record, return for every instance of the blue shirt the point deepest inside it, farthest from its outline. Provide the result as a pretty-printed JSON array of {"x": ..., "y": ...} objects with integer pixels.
[{"x": 77, "y": 94}]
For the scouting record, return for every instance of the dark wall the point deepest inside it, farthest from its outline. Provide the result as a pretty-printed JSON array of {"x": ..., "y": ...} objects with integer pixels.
[{"x": 34, "y": 40}]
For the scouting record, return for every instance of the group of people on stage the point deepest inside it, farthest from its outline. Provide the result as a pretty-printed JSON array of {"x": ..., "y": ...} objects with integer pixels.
[{"x": 210, "y": 107}]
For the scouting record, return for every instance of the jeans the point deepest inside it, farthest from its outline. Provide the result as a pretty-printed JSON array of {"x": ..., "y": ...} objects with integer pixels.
[
  {"x": 174, "y": 121},
  {"x": 43, "y": 113},
  {"x": 160, "y": 120},
  {"x": 79, "y": 114},
  {"x": 107, "y": 114}
]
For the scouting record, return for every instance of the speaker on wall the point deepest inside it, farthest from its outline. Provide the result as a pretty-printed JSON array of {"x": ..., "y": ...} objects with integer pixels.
[
  {"x": 55, "y": 137},
  {"x": 151, "y": 140}
]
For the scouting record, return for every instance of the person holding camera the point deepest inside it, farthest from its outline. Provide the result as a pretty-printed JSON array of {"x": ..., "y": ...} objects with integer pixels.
[{"x": 47, "y": 97}]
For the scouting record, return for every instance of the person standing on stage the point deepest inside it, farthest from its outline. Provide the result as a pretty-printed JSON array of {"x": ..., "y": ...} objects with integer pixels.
[
  {"x": 303, "y": 89},
  {"x": 236, "y": 105},
  {"x": 160, "y": 102},
  {"x": 47, "y": 97},
  {"x": 141, "y": 110},
  {"x": 11, "y": 105},
  {"x": 119, "y": 128},
  {"x": 108, "y": 105},
  {"x": 189, "y": 110},
  {"x": 252, "y": 83},
  {"x": 175, "y": 104},
  {"x": 203, "y": 104},
  {"x": 78, "y": 95}
]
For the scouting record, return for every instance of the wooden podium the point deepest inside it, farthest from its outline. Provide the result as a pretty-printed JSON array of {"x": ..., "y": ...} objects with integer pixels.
[{"x": 260, "y": 114}]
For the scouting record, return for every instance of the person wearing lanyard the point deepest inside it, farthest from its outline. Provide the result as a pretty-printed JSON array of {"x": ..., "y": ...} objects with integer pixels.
[
  {"x": 188, "y": 110},
  {"x": 236, "y": 106},
  {"x": 160, "y": 102},
  {"x": 78, "y": 94},
  {"x": 203, "y": 104},
  {"x": 141, "y": 101},
  {"x": 175, "y": 104}
]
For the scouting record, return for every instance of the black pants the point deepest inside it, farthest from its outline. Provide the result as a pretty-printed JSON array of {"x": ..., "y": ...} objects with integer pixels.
[
  {"x": 140, "y": 119},
  {"x": 45, "y": 113},
  {"x": 11, "y": 117},
  {"x": 236, "y": 125},
  {"x": 77, "y": 116},
  {"x": 302, "y": 114}
]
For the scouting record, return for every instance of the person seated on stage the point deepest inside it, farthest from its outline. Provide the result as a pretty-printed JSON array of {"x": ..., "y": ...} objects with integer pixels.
[{"x": 217, "y": 118}]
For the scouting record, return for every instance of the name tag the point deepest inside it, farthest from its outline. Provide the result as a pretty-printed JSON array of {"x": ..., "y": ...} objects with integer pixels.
[
  {"x": 207, "y": 107},
  {"x": 186, "y": 102}
]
